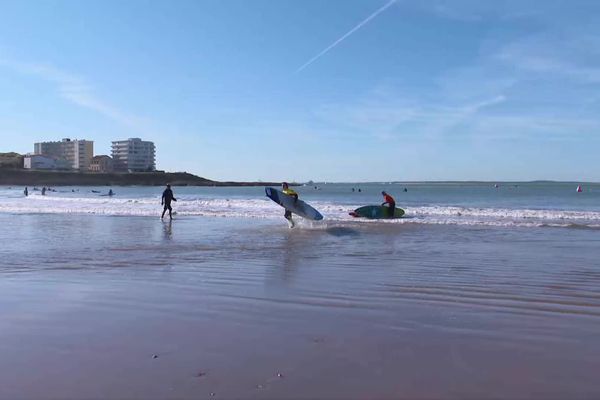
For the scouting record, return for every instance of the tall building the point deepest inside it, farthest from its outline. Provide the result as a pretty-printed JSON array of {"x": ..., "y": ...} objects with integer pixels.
[
  {"x": 77, "y": 153},
  {"x": 133, "y": 155}
]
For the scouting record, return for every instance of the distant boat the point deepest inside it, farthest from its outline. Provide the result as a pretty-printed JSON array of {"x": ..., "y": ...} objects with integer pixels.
[{"x": 579, "y": 189}]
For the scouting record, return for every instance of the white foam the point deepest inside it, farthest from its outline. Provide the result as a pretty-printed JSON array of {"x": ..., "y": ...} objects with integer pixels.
[{"x": 264, "y": 208}]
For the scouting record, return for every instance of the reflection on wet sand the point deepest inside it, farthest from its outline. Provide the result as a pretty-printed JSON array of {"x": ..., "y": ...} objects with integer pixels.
[{"x": 255, "y": 309}]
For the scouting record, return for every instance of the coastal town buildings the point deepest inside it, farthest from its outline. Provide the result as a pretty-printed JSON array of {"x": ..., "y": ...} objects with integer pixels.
[
  {"x": 37, "y": 161},
  {"x": 77, "y": 153},
  {"x": 133, "y": 155},
  {"x": 102, "y": 164}
]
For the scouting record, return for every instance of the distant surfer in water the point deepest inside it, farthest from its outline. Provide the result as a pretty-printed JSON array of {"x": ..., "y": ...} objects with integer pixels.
[
  {"x": 388, "y": 202},
  {"x": 290, "y": 192},
  {"x": 167, "y": 197}
]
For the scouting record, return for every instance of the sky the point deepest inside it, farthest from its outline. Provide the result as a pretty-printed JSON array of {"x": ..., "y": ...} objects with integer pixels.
[{"x": 298, "y": 90}]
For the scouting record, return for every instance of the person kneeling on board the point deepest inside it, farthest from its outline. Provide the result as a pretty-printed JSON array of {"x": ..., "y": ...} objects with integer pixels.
[
  {"x": 290, "y": 192},
  {"x": 389, "y": 202}
]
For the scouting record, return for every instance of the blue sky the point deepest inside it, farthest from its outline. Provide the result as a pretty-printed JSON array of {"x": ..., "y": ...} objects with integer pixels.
[{"x": 347, "y": 90}]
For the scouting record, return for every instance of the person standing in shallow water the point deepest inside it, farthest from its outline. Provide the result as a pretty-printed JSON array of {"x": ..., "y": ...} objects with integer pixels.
[
  {"x": 167, "y": 197},
  {"x": 290, "y": 192},
  {"x": 26, "y": 192}
]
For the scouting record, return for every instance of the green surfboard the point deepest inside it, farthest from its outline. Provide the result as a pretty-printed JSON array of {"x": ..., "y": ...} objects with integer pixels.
[{"x": 376, "y": 212}]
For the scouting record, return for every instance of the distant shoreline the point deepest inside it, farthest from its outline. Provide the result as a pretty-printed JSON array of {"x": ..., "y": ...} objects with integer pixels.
[{"x": 65, "y": 178}]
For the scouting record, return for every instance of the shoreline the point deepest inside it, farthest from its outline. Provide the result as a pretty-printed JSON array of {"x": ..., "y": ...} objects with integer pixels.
[
  {"x": 18, "y": 177},
  {"x": 223, "y": 308}
]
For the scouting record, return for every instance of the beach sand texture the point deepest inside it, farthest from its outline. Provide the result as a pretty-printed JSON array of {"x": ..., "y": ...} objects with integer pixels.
[{"x": 131, "y": 307}]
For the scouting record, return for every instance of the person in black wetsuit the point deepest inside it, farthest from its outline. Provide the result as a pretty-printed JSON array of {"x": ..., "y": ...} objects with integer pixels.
[{"x": 167, "y": 197}]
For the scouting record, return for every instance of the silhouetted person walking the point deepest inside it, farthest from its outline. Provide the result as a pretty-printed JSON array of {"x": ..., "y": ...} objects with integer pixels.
[{"x": 167, "y": 197}]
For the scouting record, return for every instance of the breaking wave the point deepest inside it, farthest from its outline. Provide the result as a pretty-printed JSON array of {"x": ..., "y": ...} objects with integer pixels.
[{"x": 332, "y": 211}]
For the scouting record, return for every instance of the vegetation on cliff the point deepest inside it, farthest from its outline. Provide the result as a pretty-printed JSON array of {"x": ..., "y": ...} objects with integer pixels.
[{"x": 11, "y": 160}]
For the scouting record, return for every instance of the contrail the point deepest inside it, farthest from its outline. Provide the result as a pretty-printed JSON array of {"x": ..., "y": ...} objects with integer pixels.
[{"x": 357, "y": 27}]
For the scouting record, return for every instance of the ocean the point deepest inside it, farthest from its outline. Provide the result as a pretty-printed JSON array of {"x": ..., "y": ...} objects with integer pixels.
[
  {"x": 480, "y": 292},
  {"x": 480, "y": 204}
]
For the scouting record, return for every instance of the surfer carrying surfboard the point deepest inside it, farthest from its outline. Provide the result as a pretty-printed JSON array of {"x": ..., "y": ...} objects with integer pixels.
[
  {"x": 290, "y": 192},
  {"x": 388, "y": 202},
  {"x": 167, "y": 197}
]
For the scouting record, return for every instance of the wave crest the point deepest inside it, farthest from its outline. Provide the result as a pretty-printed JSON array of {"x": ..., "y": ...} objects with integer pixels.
[{"x": 264, "y": 208}]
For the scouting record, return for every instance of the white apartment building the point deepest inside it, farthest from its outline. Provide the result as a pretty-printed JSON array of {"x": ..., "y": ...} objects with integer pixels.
[
  {"x": 133, "y": 155},
  {"x": 77, "y": 153},
  {"x": 37, "y": 161}
]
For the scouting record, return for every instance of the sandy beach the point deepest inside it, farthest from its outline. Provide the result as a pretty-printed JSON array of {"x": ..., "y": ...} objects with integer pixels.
[
  {"x": 372, "y": 200},
  {"x": 132, "y": 307}
]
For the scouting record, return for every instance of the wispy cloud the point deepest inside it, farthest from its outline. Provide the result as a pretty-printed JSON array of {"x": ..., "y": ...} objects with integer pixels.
[
  {"x": 74, "y": 89},
  {"x": 558, "y": 57},
  {"x": 419, "y": 121},
  {"x": 534, "y": 87},
  {"x": 346, "y": 35},
  {"x": 391, "y": 117}
]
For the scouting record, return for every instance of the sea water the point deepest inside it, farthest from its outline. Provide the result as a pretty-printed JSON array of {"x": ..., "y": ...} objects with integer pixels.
[
  {"x": 507, "y": 204},
  {"x": 481, "y": 292}
]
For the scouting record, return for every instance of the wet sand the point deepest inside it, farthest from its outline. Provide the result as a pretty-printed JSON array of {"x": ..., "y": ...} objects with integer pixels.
[{"x": 122, "y": 307}]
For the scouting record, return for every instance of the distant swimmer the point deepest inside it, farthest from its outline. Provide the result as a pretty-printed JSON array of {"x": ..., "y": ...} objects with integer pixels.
[
  {"x": 26, "y": 192},
  {"x": 405, "y": 190},
  {"x": 111, "y": 193},
  {"x": 167, "y": 197},
  {"x": 44, "y": 191},
  {"x": 290, "y": 192},
  {"x": 359, "y": 190},
  {"x": 388, "y": 202}
]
